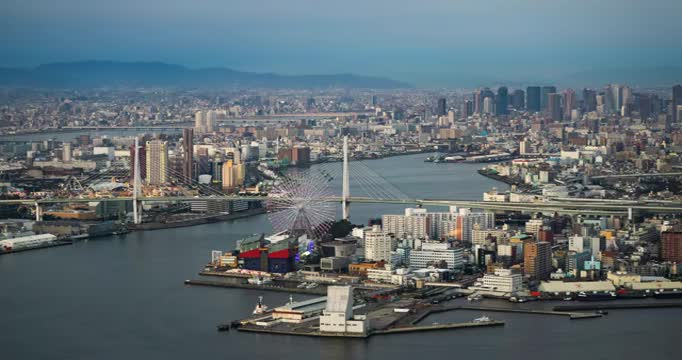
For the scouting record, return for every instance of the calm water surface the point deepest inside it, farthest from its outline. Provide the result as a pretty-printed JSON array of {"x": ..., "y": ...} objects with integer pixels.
[{"x": 123, "y": 297}]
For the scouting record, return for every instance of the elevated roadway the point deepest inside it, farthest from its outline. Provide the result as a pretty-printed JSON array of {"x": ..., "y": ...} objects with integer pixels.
[{"x": 564, "y": 206}]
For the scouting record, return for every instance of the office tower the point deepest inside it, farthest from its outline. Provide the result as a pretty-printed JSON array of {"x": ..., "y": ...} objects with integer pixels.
[
  {"x": 203, "y": 163},
  {"x": 544, "y": 96},
  {"x": 478, "y": 102},
  {"x": 210, "y": 121},
  {"x": 66, "y": 152},
  {"x": 554, "y": 106},
  {"x": 467, "y": 109},
  {"x": 143, "y": 162},
  {"x": 378, "y": 245},
  {"x": 229, "y": 178},
  {"x": 488, "y": 105},
  {"x": 627, "y": 96},
  {"x": 199, "y": 122},
  {"x": 157, "y": 162},
  {"x": 502, "y": 101},
  {"x": 441, "y": 109},
  {"x": 671, "y": 246},
  {"x": 479, "y": 99},
  {"x": 644, "y": 106},
  {"x": 616, "y": 97},
  {"x": 676, "y": 101},
  {"x": 589, "y": 100},
  {"x": 569, "y": 102},
  {"x": 217, "y": 169},
  {"x": 518, "y": 100},
  {"x": 188, "y": 153},
  {"x": 487, "y": 93},
  {"x": 533, "y": 98},
  {"x": 374, "y": 100},
  {"x": 537, "y": 260}
]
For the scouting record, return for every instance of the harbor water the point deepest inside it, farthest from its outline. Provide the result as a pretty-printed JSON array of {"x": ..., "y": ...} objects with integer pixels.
[{"x": 123, "y": 297}]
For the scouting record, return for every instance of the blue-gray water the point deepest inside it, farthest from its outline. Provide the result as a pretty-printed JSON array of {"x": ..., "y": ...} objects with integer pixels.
[{"x": 123, "y": 298}]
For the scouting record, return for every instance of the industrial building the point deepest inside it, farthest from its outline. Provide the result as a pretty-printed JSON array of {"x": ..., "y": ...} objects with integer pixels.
[
  {"x": 576, "y": 287},
  {"x": 26, "y": 242},
  {"x": 296, "y": 312},
  {"x": 337, "y": 316}
]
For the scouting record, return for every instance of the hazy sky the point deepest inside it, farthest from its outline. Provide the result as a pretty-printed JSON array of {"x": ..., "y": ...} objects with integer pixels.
[{"x": 427, "y": 42}]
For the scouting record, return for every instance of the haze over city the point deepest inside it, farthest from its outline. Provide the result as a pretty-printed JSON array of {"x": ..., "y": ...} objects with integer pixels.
[
  {"x": 432, "y": 43},
  {"x": 312, "y": 179}
]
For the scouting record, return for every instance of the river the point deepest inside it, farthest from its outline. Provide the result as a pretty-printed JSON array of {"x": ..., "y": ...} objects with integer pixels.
[{"x": 123, "y": 297}]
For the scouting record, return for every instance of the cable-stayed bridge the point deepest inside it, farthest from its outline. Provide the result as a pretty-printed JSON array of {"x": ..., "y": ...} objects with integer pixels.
[{"x": 337, "y": 180}]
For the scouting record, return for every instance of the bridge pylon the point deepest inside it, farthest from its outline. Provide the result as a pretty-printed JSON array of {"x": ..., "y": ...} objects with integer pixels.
[
  {"x": 345, "y": 197},
  {"x": 137, "y": 209}
]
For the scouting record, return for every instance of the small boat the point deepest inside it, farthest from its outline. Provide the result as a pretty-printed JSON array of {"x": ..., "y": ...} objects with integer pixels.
[
  {"x": 224, "y": 327},
  {"x": 482, "y": 319},
  {"x": 260, "y": 307},
  {"x": 602, "y": 312}
]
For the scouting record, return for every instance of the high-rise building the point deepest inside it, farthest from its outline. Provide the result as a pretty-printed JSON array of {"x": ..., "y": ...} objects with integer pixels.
[
  {"x": 442, "y": 109},
  {"x": 229, "y": 178},
  {"x": 544, "y": 96},
  {"x": 671, "y": 246},
  {"x": 502, "y": 101},
  {"x": 589, "y": 100},
  {"x": 415, "y": 223},
  {"x": 533, "y": 98},
  {"x": 518, "y": 99},
  {"x": 210, "y": 121},
  {"x": 478, "y": 102},
  {"x": 157, "y": 162},
  {"x": 466, "y": 219},
  {"x": 467, "y": 109},
  {"x": 441, "y": 224},
  {"x": 537, "y": 260},
  {"x": 616, "y": 96},
  {"x": 66, "y": 152},
  {"x": 644, "y": 106},
  {"x": 554, "y": 106},
  {"x": 188, "y": 153},
  {"x": 569, "y": 102},
  {"x": 488, "y": 105},
  {"x": 676, "y": 101},
  {"x": 378, "y": 245},
  {"x": 199, "y": 122}
]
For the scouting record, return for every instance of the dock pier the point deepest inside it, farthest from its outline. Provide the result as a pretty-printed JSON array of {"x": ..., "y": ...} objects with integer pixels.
[{"x": 222, "y": 284}]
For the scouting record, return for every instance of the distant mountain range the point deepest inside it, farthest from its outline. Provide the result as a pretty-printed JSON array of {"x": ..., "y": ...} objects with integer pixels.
[{"x": 99, "y": 74}]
